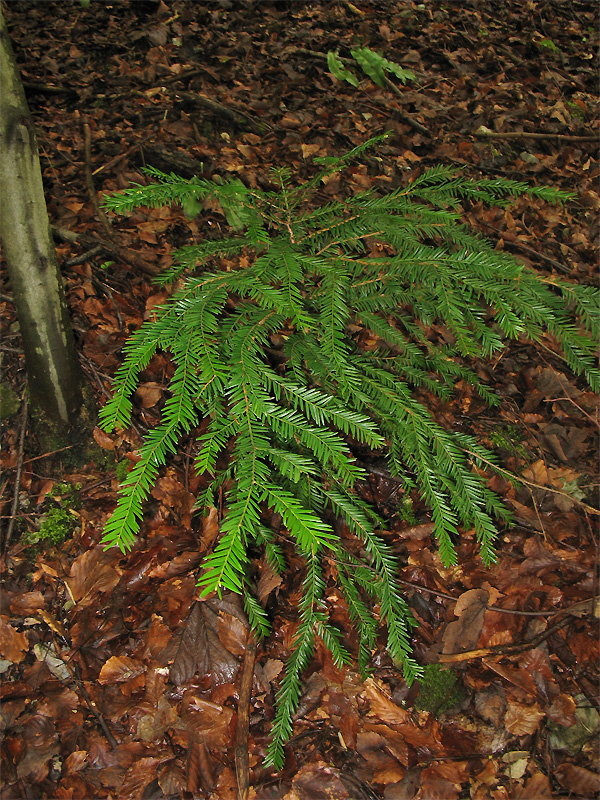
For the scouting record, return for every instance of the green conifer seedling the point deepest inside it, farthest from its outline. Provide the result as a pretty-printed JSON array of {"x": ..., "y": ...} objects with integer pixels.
[{"x": 392, "y": 264}]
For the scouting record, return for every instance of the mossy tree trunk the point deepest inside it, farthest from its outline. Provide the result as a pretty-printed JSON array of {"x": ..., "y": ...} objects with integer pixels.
[{"x": 54, "y": 375}]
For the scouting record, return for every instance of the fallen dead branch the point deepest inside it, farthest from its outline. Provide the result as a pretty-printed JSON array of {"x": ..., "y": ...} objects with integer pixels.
[
  {"x": 242, "y": 760},
  {"x": 512, "y": 649},
  {"x": 115, "y": 250},
  {"x": 486, "y": 133}
]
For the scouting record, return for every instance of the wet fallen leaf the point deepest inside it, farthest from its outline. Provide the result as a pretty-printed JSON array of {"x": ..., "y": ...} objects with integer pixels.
[
  {"x": 463, "y": 634},
  {"x": 200, "y": 649}
]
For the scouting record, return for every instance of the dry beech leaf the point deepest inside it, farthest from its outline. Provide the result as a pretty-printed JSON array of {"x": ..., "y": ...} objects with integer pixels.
[
  {"x": 268, "y": 581},
  {"x": 148, "y": 394},
  {"x": 153, "y": 726},
  {"x": 103, "y": 440},
  {"x": 208, "y": 722},
  {"x": 537, "y": 788},
  {"x": 391, "y": 774},
  {"x": 562, "y": 710},
  {"x": 74, "y": 762},
  {"x": 172, "y": 781},
  {"x": 138, "y": 776},
  {"x": 119, "y": 669},
  {"x": 159, "y": 636},
  {"x": 28, "y": 603},
  {"x": 13, "y": 644},
  {"x": 271, "y": 669},
  {"x": 210, "y": 527},
  {"x": 407, "y": 788},
  {"x": 383, "y": 707},
  {"x": 310, "y": 149},
  {"x": 317, "y": 780},
  {"x": 470, "y": 609},
  {"x": 92, "y": 572},
  {"x": 521, "y": 719},
  {"x": 578, "y": 779},
  {"x": 233, "y": 633}
]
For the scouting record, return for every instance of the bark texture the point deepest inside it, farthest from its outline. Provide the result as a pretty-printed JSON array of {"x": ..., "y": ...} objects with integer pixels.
[{"x": 52, "y": 367}]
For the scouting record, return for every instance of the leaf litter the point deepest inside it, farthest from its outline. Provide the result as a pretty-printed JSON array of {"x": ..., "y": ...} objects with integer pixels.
[{"x": 118, "y": 680}]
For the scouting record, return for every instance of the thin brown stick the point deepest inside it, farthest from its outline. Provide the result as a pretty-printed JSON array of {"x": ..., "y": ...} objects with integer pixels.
[
  {"x": 101, "y": 216},
  {"x": 520, "y": 479},
  {"x": 503, "y": 650},
  {"x": 15, "y": 502},
  {"x": 583, "y": 606},
  {"x": 242, "y": 759},
  {"x": 514, "y": 242},
  {"x": 402, "y": 114},
  {"x": 124, "y": 154},
  {"x": 240, "y": 118},
  {"x": 486, "y": 133},
  {"x": 115, "y": 250},
  {"x": 78, "y": 683}
]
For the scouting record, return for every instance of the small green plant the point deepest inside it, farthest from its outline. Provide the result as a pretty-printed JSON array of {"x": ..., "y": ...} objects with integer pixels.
[
  {"x": 407, "y": 511},
  {"x": 267, "y": 353},
  {"x": 548, "y": 44},
  {"x": 509, "y": 440},
  {"x": 121, "y": 469},
  {"x": 55, "y": 528},
  {"x": 439, "y": 690},
  {"x": 371, "y": 63}
]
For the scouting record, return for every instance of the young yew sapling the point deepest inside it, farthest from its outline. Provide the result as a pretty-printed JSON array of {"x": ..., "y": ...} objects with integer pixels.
[{"x": 391, "y": 264}]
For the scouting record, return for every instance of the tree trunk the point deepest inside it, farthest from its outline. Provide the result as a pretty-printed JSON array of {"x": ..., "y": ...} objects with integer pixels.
[{"x": 53, "y": 370}]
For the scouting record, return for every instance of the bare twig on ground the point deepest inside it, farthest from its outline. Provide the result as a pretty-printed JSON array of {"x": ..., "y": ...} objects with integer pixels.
[
  {"x": 520, "y": 479},
  {"x": 503, "y": 649},
  {"x": 89, "y": 181},
  {"x": 486, "y": 133},
  {"x": 242, "y": 759},
  {"x": 515, "y": 244},
  {"x": 122, "y": 253},
  {"x": 78, "y": 682},
  {"x": 238, "y": 117}
]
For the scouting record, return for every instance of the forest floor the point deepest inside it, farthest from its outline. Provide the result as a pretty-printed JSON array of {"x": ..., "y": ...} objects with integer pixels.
[{"x": 117, "y": 682}]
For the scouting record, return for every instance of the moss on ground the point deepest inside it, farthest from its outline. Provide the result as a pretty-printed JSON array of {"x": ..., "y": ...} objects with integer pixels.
[{"x": 439, "y": 690}]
